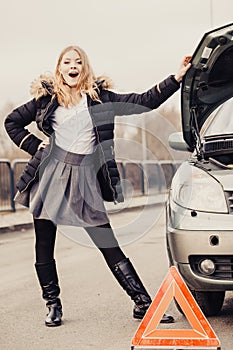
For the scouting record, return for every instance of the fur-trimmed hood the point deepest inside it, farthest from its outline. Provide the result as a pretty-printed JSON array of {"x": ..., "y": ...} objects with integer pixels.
[
  {"x": 45, "y": 85},
  {"x": 42, "y": 86}
]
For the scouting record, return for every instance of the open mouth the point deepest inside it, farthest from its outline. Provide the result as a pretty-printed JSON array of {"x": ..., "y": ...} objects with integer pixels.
[{"x": 73, "y": 74}]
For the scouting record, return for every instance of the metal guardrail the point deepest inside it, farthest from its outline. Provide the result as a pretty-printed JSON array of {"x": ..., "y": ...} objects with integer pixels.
[
  {"x": 138, "y": 178},
  {"x": 6, "y": 185}
]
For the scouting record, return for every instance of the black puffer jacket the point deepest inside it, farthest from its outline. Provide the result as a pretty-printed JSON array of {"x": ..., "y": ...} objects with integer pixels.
[{"x": 103, "y": 115}]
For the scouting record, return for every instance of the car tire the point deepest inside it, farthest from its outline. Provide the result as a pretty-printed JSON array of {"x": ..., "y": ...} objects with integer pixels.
[
  {"x": 210, "y": 302},
  {"x": 178, "y": 307}
]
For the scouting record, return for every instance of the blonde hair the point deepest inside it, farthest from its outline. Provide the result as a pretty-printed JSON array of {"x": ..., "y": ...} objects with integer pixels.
[
  {"x": 88, "y": 82},
  {"x": 87, "y": 79}
]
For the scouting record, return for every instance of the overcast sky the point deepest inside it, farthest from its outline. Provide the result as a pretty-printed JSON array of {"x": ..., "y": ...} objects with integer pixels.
[{"x": 136, "y": 43}]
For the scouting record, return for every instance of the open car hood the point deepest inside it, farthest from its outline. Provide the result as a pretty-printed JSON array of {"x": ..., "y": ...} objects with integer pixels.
[{"x": 209, "y": 81}]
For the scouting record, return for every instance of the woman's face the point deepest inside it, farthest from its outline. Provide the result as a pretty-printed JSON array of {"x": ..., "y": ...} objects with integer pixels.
[{"x": 71, "y": 67}]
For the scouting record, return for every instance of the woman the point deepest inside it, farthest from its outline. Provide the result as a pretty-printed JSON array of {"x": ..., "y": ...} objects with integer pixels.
[{"x": 72, "y": 172}]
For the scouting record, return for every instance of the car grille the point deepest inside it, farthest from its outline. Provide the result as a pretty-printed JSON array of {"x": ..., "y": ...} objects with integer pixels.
[
  {"x": 229, "y": 197},
  {"x": 218, "y": 146},
  {"x": 224, "y": 266}
]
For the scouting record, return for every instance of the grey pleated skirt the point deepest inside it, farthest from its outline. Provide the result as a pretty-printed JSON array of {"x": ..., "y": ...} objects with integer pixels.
[{"x": 67, "y": 191}]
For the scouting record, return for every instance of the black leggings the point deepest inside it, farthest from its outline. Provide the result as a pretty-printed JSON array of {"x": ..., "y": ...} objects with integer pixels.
[{"x": 102, "y": 236}]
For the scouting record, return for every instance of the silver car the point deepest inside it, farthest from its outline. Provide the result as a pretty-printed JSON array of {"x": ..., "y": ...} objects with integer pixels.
[{"x": 199, "y": 226}]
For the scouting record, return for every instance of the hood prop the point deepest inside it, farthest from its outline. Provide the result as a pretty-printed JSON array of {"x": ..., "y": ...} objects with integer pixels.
[{"x": 196, "y": 133}]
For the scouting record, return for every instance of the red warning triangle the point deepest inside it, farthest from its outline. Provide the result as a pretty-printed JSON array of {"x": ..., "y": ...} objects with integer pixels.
[{"x": 201, "y": 334}]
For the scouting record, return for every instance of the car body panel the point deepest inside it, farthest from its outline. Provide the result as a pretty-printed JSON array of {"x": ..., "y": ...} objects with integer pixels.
[
  {"x": 182, "y": 244},
  {"x": 225, "y": 178}
]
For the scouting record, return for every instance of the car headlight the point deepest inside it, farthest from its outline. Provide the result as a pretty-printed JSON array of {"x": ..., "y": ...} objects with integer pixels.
[{"x": 193, "y": 188}]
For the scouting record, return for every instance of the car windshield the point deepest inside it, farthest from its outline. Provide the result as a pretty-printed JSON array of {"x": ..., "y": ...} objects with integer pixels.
[{"x": 220, "y": 121}]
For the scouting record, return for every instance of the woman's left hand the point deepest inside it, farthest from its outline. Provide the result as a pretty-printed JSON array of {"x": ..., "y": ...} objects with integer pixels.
[
  {"x": 43, "y": 144},
  {"x": 184, "y": 67}
]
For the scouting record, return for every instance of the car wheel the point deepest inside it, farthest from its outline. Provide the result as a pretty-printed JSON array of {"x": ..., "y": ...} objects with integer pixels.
[
  {"x": 178, "y": 307},
  {"x": 209, "y": 302}
]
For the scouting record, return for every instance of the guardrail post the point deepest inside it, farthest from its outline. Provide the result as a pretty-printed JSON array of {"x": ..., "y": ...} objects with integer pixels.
[
  {"x": 12, "y": 188},
  {"x": 142, "y": 178}
]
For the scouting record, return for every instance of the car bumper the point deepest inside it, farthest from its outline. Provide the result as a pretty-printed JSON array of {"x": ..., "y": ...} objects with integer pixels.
[
  {"x": 200, "y": 283},
  {"x": 189, "y": 244},
  {"x": 191, "y": 239}
]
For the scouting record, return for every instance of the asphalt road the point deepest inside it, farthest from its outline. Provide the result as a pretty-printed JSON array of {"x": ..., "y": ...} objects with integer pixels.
[{"x": 97, "y": 312}]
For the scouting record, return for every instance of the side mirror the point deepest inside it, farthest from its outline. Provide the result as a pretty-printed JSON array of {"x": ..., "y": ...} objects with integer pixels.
[{"x": 177, "y": 142}]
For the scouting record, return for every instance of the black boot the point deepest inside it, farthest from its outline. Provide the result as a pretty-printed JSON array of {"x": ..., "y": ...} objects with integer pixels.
[
  {"x": 47, "y": 275},
  {"x": 131, "y": 283}
]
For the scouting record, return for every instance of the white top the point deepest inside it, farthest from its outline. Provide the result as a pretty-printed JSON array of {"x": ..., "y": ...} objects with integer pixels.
[{"x": 73, "y": 128}]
